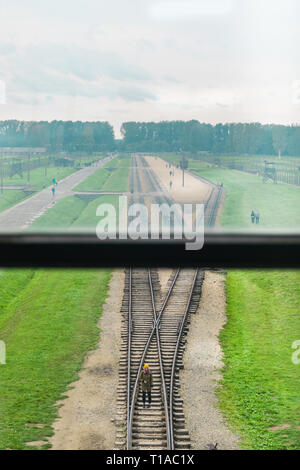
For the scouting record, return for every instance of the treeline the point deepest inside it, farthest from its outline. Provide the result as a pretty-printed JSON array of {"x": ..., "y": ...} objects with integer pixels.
[
  {"x": 166, "y": 136},
  {"x": 58, "y": 135},
  {"x": 193, "y": 136}
]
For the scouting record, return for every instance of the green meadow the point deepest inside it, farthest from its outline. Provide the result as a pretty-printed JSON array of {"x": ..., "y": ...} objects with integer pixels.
[
  {"x": 113, "y": 177},
  {"x": 48, "y": 321},
  {"x": 259, "y": 393}
]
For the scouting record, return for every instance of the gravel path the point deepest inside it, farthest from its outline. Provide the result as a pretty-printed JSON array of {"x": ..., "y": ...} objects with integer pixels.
[
  {"x": 164, "y": 276},
  {"x": 86, "y": 417},
  {"x": 202, "y": 364},
  {"x": 194, "y": 189},
  {"x": 23, "y": 214}
]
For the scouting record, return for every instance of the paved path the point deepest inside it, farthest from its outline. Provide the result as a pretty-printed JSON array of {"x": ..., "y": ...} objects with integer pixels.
[
  {"x": 100, "y": 193},
  {"x": 23, "y": 214}
]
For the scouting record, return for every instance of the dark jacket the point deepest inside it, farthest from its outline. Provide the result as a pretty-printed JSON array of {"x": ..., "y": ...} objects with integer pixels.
[{"x": 146, "y": 381}]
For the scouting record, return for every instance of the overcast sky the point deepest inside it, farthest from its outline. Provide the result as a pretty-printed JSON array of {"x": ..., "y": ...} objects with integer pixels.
[{"x": 124, "y": 60}]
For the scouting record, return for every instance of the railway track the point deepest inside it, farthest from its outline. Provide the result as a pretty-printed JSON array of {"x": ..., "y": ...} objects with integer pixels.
[{"x": 154, "y": 329}]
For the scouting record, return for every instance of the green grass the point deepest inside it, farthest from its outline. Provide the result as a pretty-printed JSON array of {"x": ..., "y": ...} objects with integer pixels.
[
  {"x": 278, "y": 204},
  {"x": 73, "y": 214},
  {"x": 113, "y": 177},
  {"x": 118, "y": 180},
  {"x": 12, "y": 281},
  {"x": 260, "y": 386},
  {"x": 38, "y": 180},
  {"x": 120, "y": 162},
  {"x": 11, "y": 197},
  {"x": 94, "y": 182},
  {"x": 88, "y": 219},
  {"x": 61, "y": 216},
  {"x": 48, "y": 322}
]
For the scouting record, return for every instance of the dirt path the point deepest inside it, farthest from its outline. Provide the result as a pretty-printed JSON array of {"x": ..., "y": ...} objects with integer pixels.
[
  {"x": 194, "y": 189},
  {"x": 86, "y": 415},
  {"x": 202, "y": 364}
]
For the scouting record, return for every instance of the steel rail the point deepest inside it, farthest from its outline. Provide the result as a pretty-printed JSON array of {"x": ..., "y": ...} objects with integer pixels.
[
  {"x": 136, "y": 384},
  {"x": 181, "y": 328},
  {"x": 129, "y": 344},
  {"x": 164, "y": 388}
]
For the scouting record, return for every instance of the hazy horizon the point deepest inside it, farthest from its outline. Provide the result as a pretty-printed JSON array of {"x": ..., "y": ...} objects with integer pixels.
[{"x": 216, "y": 61}]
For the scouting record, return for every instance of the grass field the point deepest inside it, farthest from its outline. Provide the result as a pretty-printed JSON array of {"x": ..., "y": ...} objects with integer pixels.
[
  {"x": 11, "y": 197},
  {"x": 61, "y": 216},
  {"x": 88, "y": 218},
  {"x": 48, "y": 320},
  {"x": 260, "y": 388},
  {"x": 278, "y": 204},
  {"x": 38, "y": 180},
  {"x": 72, "y": 214},
  {"x": 94, "y": 182},
  {"x": 113, "y": 177}
]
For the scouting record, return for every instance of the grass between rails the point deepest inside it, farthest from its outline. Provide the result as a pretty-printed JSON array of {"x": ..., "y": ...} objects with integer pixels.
[
  {"x": 48, "y": 326},
  {"x": 260, "y": 387}
]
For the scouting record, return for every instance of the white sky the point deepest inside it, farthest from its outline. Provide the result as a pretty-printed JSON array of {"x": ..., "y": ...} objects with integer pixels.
[{"x": 150, "y": 60}]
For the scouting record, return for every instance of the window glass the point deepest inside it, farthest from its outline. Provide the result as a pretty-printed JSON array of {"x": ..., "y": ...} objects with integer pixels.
[{"x": 148, "y": 119}]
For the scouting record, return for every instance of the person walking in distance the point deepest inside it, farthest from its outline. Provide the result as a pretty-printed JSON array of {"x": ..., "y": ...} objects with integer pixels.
[
  {"x": 257, "y": 217},
  {"x": 53, "y": 191},
  {"x": 146, "y": 382},
  {"x": 253, "y": 216}
]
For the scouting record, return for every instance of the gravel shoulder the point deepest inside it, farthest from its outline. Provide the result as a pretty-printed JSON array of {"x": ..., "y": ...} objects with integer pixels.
[
  {"x": 202, "y": 364},
  {"x": 86, "y": 418},
  {"x": 164, "y": 275}
]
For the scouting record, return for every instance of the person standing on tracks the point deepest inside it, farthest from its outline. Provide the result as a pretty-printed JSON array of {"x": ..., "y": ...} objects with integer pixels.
[{"x": 146, "y": 382}]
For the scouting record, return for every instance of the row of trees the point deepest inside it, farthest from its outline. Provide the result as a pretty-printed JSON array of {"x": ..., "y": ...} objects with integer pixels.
[
  {"x": 193, "y": 136},
  {"x": 168, "y": 136},
  {"x": 58, "y": 135}
]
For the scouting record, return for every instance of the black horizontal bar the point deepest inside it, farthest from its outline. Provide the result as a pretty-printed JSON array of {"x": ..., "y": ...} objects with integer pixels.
[{"x": 86, "y": 251}]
